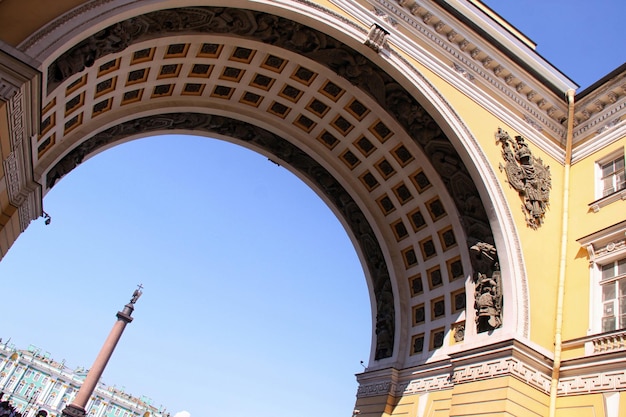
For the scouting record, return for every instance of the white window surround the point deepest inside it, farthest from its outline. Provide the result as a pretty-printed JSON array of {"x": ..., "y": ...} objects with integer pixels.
[
  {"x": 614, "y": 295},
  {"x": 601, "y": 199},
  {"x": 604, "y": 247},
  {"x": 51, "y": 398}
]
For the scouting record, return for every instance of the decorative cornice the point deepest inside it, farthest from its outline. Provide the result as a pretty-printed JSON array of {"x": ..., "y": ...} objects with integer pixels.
[
  {"x": 594, "y": 383},
  {"x": 600, "y": 116},
  {"x": 597, "y": 373},
  {"x": 7, "y": 89},
  {"x": 427, "y": 384},
  {"x": 609, "y": 116},
  {"x": 375, "y": 389},
  {"x": 446, "y": 377},
  {"x": 21, "y": 93},
  {"x": 509, "y": 359},
  {"x": 503, "y": 367},
  {"x": 12, "y": 178},
  {"x": 612, "y": 236},
  {"x": 24, "y": 193},
  {"x": 537, "y": 101},
  {"x": 13, "y": 74}
]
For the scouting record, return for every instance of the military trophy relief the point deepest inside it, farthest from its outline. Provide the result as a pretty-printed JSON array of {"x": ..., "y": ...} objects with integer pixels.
[
  {"x": 526, "y": 174},
  {"x": 487, "y": 287}
]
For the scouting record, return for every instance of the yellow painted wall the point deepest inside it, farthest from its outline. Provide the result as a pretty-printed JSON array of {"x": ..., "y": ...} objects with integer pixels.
[
  {"x": 591, "y": 405},
  {"x": 379, "y": 406},
  {"x": 583, "y": 221},
  {"x": 498, "y": 396},
  {"x": 503, "y": 396},
  {"x": 434, "y": 404},
  {"x": 438, "y": 404}
]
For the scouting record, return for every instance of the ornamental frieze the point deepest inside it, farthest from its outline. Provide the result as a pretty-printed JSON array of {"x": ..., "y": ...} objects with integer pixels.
[{"x": 524, "y": 369}]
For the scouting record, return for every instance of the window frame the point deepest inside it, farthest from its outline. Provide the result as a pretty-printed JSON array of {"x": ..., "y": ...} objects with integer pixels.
[
  {"x": 617, "y": 281},
  {"x": 613, "y": 175},
  {"x": 601, "y": 199},
  {"x": 51, "y": 397},
  {"x": 603, "y": 247}
]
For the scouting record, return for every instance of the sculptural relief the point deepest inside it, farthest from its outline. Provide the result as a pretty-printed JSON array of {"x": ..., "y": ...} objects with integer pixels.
[
  {"x": 487, "y": 287},
  {"x": 488, "y": 303},
  {"x": 528, "y": 175}
]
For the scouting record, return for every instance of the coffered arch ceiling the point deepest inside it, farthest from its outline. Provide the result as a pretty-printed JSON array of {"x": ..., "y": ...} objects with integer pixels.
[{"x": 333, "y": 114}]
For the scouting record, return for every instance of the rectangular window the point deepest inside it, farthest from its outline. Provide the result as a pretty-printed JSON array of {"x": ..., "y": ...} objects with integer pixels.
[
  {"x": 613, "y": 178},
  {"x": 614, "y": 295},
  {"x": 51, "y": 398}
]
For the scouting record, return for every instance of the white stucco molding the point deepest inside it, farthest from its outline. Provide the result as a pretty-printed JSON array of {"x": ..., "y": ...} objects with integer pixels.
[{"x": 20, "y": 88}]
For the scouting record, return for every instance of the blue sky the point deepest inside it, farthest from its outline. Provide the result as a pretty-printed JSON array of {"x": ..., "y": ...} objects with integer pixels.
[{"x": 251, "y": 286}]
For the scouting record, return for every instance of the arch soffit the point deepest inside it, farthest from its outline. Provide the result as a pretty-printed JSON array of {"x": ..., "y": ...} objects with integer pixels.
[{"x": 433, "y": 143}]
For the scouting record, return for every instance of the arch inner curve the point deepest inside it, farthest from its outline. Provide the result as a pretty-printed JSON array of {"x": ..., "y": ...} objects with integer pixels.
[{"x": 382, "y": 142}]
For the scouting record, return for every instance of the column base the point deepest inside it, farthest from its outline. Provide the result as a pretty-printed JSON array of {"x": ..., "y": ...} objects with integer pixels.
[{"x": 73, "y": 410}]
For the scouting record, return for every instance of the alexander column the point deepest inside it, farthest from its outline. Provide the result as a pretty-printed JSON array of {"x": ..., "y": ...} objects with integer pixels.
[{"x": 77, "y": 407}]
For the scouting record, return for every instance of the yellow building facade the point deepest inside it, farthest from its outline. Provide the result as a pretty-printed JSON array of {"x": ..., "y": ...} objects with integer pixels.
[{"x": 484, "y": 195}]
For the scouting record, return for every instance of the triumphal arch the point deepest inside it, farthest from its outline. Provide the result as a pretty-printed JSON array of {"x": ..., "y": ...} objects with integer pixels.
[{"x": 443, "y": 142}]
